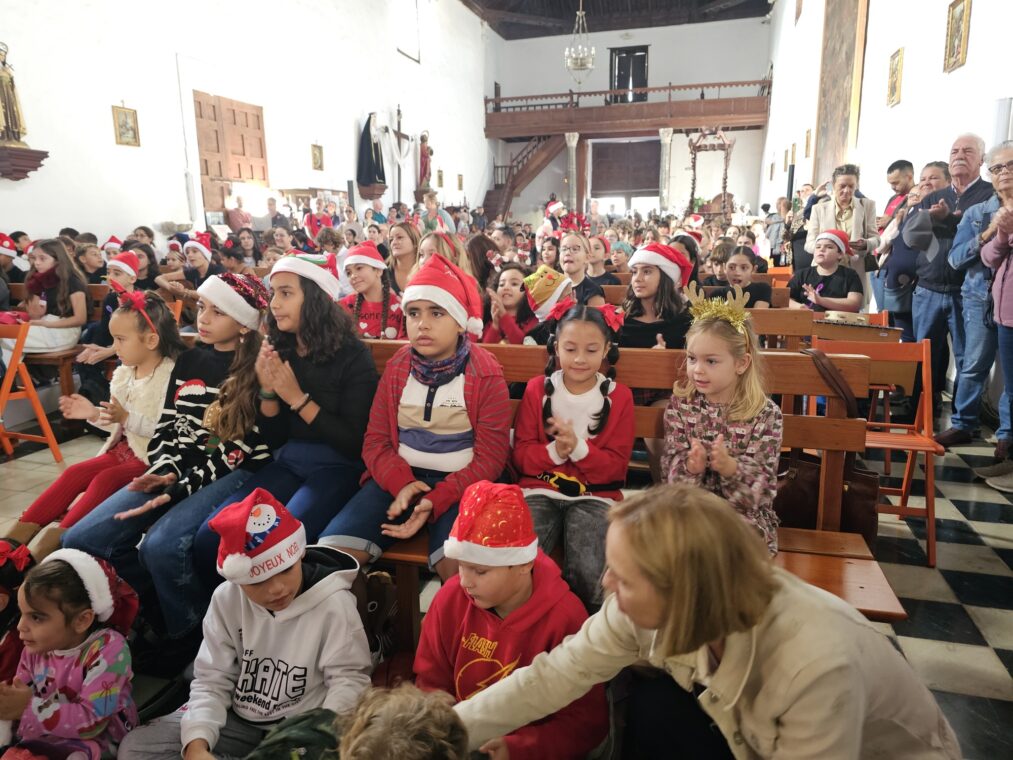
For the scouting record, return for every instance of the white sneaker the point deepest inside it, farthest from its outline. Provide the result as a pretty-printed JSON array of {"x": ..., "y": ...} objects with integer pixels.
[
  {"x": 1002, "y": 483},
  {"x": 994, "y": 470}
]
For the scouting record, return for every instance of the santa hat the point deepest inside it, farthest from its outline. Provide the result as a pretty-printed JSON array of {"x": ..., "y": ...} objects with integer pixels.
[
  {"x": 695, "y": 221},
  {"x": 175, "y": 245},
  {"x": 448, "y": 286},
  {"x": 259, "y": 539},
  {"x": 241, "y": 297},
  {"x": 839, "y": 238},
  {"x": 128, "y": 262},
  {"x": 202, "y": 242},
  {"x": 696, "y": 235},
  {"x": 493, "y": 527},
  {"x": 555, "y": 206},
  {"x": 112, "y": 599},
  {"x": 112, "y": 244},
  {"x": 545, "y": 287},
  {"x": 365, "y": 253},
  {"x": 666, "y": 258},
  {"x": 7, "y": 246},
  {"x": 321, "y": 269}
]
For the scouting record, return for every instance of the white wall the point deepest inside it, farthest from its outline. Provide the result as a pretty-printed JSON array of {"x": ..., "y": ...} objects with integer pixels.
[
  {"x": 742, "y": 176},
  {"x": 317, "y": 67},
  {"x": 935, "y": 107}
]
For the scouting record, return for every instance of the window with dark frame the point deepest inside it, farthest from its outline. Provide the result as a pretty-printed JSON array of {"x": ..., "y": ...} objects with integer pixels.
[{"x": 627, "y": 71}]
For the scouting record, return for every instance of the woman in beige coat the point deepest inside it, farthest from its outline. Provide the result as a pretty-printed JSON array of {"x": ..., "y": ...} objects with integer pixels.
[{"x": 781, "y": 669}]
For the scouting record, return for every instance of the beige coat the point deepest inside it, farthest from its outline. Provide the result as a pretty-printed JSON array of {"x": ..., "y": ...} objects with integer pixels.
[{"x": 812, "y": 680}]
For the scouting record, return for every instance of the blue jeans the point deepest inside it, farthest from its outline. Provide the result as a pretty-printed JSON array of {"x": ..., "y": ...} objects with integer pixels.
[
  {"x": 310, "y": 478},
  {"x": 979, "y": 355},
  {"x": 877, "y": 283},
  {"x": 116, "y": 541},
  {"x": 937, "y": 315},
  {"x": 357, "y": 526},
  {"x": 1006, "y": 360}
]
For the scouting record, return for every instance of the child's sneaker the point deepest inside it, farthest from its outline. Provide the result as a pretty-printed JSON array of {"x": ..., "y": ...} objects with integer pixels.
[{"x": 381, "y": 612}]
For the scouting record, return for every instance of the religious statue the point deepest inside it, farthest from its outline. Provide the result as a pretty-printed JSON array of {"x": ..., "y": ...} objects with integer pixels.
[
  {"x": 12, "y": 124},
  {"x": 370, "y": 175},
  {"x": 425, "y": 164}
]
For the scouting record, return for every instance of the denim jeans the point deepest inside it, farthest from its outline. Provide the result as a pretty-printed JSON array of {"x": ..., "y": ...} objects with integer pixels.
[
  {"x": 100, "y": 535},
  {"x": 877, "y": 283},
  {"x": 937, "y": 315},
  {"x": 1006, "y": 360},
  {"x": 310, "y": 478},
  {"x": 981, "y": 343},
  {"x": 582, "y": 524}
]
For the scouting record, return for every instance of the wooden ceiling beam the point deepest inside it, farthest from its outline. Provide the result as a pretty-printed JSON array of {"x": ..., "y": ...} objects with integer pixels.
[{"x": 527, "y": 19}]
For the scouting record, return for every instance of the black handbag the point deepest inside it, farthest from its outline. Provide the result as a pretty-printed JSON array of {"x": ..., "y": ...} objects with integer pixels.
[{"x": 798, "y": 479}]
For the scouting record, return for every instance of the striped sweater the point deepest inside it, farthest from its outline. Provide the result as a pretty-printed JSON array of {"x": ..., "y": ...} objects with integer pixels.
[{"x": 182, "y": 445}]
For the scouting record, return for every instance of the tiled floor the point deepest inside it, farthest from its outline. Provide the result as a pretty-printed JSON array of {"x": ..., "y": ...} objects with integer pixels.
[{"x": 959, "y": 636}]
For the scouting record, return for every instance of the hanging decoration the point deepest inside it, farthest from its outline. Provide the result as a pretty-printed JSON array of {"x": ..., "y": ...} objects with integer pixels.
[{"x": 579, "y": 54}]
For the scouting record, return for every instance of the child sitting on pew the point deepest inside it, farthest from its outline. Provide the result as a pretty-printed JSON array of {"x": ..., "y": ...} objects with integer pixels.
[
  {"x": 739, "y": 269},
  {"x": 510, "y": 308},
  {"x": 376, "y": 309},
  {"x": 722, "y": 432},
  {"x": 826, "y": 285},
  {"x": 506, "y": 605}
]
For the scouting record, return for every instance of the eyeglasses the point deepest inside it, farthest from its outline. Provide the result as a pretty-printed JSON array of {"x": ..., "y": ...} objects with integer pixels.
[
  {"x": 571, "y": 249},
  {"x": 998, "y": 169}
]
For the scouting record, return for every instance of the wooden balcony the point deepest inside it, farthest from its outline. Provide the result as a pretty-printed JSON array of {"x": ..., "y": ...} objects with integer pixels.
[{"x": 602, "y": 113}]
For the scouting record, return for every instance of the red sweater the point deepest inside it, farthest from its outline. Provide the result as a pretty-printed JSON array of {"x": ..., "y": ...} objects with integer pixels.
[
  {"x": 488, "y": 404},
  {"x": 509, "y": 330},
  {"x": 370, "y": 322},
  {"x": 607, "y": 454},
  {"x": 312, "y": 224},
  {"x": 463, "y": 649}
]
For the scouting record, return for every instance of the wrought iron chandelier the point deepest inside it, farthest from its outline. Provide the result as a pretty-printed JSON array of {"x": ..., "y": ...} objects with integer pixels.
[{"x": 579, "y": 55}]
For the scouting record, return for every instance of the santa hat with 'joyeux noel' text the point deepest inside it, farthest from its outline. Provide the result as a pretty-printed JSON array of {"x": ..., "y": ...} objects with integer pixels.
[
  {"x": 669, "y": 260},
  {"x": 493, "y": 527},
  {"x": 448, "y": 286},
  {"x": 127, "y": 262},
  {"x": 319, "y": 268},
  {"x": 365, "y": 253},
  {"x": 259, "y": 539}
]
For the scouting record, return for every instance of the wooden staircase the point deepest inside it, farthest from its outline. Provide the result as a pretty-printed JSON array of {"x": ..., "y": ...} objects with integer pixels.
[{"x": 510, "y": 179}]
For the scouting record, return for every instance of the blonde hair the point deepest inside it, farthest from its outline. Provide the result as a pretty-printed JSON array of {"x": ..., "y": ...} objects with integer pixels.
[
  {"x": 707, "y": 563},
  {"x": 750, "y": 396},
  {"x": 450, "y": 248},
  {"x": 405, "y": 723},
  {"x": 584, "y": 242}
]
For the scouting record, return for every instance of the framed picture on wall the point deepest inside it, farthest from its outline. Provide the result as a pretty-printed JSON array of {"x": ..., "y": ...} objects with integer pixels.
[
  {"x": 460, "y": 182},
  {"x": 786, "y": 159},
  {"x": 125, "y": 126},
  {"x": 439, "y": 177},
  {"x": 771, "y": 171},
  {"x": 894, "y": 78},
  {"x": 958, "y": 25},
  {"x": 317, "y": 157}
]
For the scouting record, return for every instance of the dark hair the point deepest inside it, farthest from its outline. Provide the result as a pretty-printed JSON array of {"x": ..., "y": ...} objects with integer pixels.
[
  {"x": 81, "y": 250},
  {"x": 668, "y": 300},
  {"x": 745, "y": 250},
  {"x": 900, "y": 166},
  {"x": 170, "y": 344},
  {"x": 846, "y": 170},
  {"x": 945, "y": 167},
  {"x": 87, "y": 237},
  {"x": 582, "y": 313},
  {"x": 149, "y": 253},
  {"x": 233, "y": 251},
  {"x": 721, "y": 252},
  {"x": 524, "y": 310},
  {"x": 749, "y": 234},
  {"x": 764, "y": 207},
  {"x": 150, "y": 232},
  {"x": 360, "y": 299},
  {"x": 476, "y": 248},
  {"x": 18, "y": 234},
  {"x": 58, "y": 582},
  {"x": 301, "y": 238},
  {"x": 65, "y": 270},
  {"x": 324, "y": 326},
  {"x": 68, "y": 232},
  {"x": 256, "y": 246}
]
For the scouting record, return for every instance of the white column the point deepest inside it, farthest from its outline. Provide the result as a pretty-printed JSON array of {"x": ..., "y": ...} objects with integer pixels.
[
  {"x": 665, "y": 176},
  {"x": 571, "y": 170}
]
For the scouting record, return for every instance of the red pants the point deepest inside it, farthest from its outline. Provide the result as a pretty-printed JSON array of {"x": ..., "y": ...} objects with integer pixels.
[{"x": 95, "y": 479}]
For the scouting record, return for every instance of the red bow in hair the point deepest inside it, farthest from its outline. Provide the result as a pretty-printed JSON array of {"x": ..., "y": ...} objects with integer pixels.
[
  {"x": 137, "y": 300},
  {"x": 614, "y": 316},
  {"x": 229, "y": 243},
  {"x": 560, "y": 309},
  {"x": 19, "y": 557}
]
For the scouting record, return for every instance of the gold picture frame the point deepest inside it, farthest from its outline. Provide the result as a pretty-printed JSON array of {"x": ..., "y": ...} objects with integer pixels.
[
  {"x": 958, "y": 26},
  {"x": 894, "y": 78},
  {"x": 125, "y": 127},
  {"x": 460, "y": 182},
  {"x": 808, "y": 143},
  {"x": 439, "y": 177},
  {"x": 786, "y": 159},
  {"x": 317, "y": 157}
]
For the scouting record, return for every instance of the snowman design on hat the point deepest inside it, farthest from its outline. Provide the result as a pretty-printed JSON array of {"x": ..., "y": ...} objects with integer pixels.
[
  {"x": 262, "y": 520},
  {"x": 259, "y": 538}
]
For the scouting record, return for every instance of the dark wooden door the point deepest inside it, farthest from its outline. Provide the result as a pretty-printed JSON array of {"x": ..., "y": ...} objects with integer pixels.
[{"x": 230, "y": 143}]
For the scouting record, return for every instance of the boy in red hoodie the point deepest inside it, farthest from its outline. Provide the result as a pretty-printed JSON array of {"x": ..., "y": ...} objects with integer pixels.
[{"x": 507, "y": 604}]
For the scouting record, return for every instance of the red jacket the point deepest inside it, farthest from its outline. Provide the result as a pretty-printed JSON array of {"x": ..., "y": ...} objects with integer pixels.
[
  {"x": 463, "y": 649},
  {"x": 608, "y": 453},
  {"x": 509, "y": 330},
  {"x": 485, "y": 395}
]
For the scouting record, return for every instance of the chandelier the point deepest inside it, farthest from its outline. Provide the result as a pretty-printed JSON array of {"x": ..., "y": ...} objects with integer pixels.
[{"x": 579, "y": 55}]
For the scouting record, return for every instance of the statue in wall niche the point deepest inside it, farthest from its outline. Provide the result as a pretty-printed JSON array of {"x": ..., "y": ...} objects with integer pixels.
[
  {"x": 425, "y": 161},
  {"x": 370, "y": 175},
  {"x": 12, "y": 124}
]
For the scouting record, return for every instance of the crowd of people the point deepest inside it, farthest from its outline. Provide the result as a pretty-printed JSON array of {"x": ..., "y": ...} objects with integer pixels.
[{"x": 256, "y": 469}]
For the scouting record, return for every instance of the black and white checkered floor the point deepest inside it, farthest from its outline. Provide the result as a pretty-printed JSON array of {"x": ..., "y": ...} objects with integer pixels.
[{"x": 959, "y": 636}]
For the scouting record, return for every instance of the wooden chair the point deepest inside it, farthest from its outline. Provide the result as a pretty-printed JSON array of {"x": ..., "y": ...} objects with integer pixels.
[
  {"x": 624, "y": 277},
  {"x": 96, "y": 296},
  {"x": 19, "y": 293},
  {"x": 895, "y": 365},
  {"x": 17, "y": 369}
]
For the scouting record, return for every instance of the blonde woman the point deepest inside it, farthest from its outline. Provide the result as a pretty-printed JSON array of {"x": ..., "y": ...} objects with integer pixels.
[
  {"x": 404, "y": 254},
  {"x": 758, "y": 663},
  {"x": 449, "y": 247}
]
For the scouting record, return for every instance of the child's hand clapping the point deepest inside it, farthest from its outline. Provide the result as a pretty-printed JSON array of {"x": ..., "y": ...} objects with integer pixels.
[
  {"x": 721, "y": 462},
  {"x": 112, "y": 413},
  {"x": 77, "y": 407},
  {"x": 496, "y": 308},
  {"x": 496, "y": 749},
  {"x": 14, "y": 698},
  {"x": 696, "y": 462},
  {"x": 566, "y": 439}
]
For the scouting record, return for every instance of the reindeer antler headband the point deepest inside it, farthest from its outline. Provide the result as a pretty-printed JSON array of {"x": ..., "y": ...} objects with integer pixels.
[{"x": 731, "y": 309}]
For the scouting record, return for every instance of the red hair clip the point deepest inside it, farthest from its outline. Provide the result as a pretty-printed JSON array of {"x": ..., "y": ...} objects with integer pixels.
[
  {"x": 229, "y": 243},
  {"x": 614, "y": 316},
  {"x": 137, "y": 301},
  {"x": 561, "y": 308}
]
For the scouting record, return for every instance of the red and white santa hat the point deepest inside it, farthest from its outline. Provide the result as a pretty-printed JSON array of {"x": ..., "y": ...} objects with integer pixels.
[
  {"x": 493, "y": 527},
  {"x": 694, "y": 221},
  {"x": 555, "y": 206},
  {"x": 128, "y": 262},
  {"x": 201, "y": 241},
  {"x": 112, "y": 244},
  {"x": 259, "y": 539},
  {"x": 240, "y": 296},
  {"x": 7, "y": 246},
  {"x": 669, "y": 260},
  {"x": 112, "y": 599},
  {"x": 839, "y": 238},
  {"x": 448, "y": 286},
  {"x": 365, "y": 253},
  {"x": 175, "y": 245},
  {"x": 320, "y": 268}
]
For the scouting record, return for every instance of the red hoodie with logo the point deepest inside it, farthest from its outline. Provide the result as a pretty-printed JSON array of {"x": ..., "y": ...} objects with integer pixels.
[{"x": 463, "y": 649}]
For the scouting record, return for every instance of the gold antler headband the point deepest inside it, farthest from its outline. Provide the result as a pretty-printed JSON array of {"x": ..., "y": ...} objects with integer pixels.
[{"x": 731, "y": 309}]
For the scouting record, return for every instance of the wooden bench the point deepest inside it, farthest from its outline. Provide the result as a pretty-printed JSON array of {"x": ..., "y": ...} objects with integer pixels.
[
  {"x": 616, "y": 295},
  {"x": 788, "y": 373}
]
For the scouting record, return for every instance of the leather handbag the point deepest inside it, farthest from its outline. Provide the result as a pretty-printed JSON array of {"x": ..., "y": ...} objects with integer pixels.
[
  {"x": 871, "y": 261},
  {"x": 798, "y": 480}
]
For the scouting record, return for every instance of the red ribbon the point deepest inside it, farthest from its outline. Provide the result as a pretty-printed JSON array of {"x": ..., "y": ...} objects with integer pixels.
[
  {"x": 561, "y": 308},
  {"x": 137, "y": 300},
  {"x": 614, "y": 316},
  {"x": 20, "y": 557}
]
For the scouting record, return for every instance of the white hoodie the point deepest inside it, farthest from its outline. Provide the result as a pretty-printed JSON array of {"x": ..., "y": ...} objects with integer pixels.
[{"x": 268, "y": 666}]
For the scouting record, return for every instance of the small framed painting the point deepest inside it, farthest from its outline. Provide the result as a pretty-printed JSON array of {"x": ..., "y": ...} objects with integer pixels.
[
  {"x": 808, "y": 143},
  {"x": 894, "y": 79},
  {"x": 125, "y": 125},
  {"x": 958, "y": 25},
  {"x": 786, "y": 159},
  {"x": 439, "y": 177},
  {"x": 460, "y": 182},
  {"x": 317, "y": 157},
  {"x": 771, "y": 171}
]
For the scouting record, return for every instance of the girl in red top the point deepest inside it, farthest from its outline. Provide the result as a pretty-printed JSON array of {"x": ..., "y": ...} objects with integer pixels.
[
  {"x": 511, "y": 317},
  {"x": 573, "y": 436},
  {"x": 377, "y": 311},
  {"x": 313, "y": 223}
]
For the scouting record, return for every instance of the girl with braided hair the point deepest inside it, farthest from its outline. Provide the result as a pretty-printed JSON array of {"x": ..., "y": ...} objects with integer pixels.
[
  {"x": 375, "y": 309},
  {"x": 573, "y": 437}
]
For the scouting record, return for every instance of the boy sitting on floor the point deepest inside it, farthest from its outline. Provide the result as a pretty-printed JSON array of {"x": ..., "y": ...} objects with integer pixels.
[
  {"x": 282, "y": 638},
  {"x": 507, "y": 604}
]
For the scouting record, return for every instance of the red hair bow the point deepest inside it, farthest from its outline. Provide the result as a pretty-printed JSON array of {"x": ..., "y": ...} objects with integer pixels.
[
  {"x": 614, "y": 316},
  {"x": 20, "y": 557},
  {"x": 561, "y": 308},
  {"x": 137, "y": 300},
  {"x": 229, "y": 243}
]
